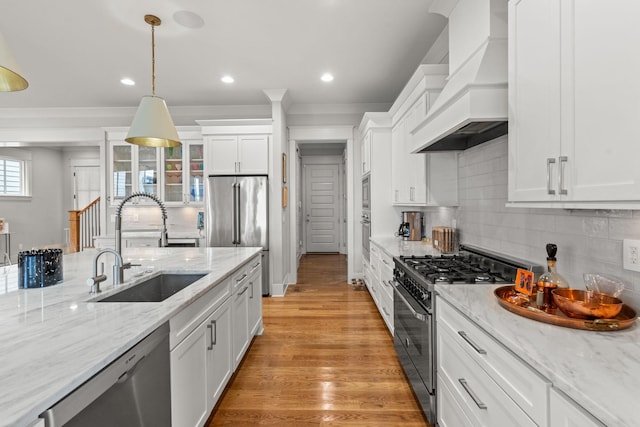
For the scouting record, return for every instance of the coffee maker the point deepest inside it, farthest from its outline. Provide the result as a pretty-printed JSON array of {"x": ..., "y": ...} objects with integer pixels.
[{"x": 411, "y": 225}]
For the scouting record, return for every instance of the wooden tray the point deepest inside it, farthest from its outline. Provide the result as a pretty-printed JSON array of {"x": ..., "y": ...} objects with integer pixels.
[{"x": 506, "y": 298}]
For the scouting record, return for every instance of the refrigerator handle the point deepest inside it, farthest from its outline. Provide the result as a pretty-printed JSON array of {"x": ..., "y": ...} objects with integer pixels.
[
  {"x": 236, "y": 212},
  {"x": 234, "y": 233}
]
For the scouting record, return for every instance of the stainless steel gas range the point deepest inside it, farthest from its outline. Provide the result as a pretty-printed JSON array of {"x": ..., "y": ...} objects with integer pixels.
[{"x": 414, "y": 307}]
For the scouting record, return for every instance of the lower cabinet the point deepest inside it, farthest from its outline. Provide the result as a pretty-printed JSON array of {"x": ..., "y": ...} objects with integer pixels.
[
  {"x": 378, "y": 276},
  {"x": 240, "y": 322},
  {"x": 208, "y": 340},
  {"x": 200, "y": 368}
]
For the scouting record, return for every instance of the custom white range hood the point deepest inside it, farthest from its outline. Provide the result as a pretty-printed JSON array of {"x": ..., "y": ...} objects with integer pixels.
[{"x": 472, "y": 107}]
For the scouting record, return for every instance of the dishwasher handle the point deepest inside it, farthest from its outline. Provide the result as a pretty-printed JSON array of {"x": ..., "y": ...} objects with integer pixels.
[{"x": 118, "y": 371}]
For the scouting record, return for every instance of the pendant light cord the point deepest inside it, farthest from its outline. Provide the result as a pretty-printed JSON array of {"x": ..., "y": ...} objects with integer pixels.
[{"x": 153, "y": 60}]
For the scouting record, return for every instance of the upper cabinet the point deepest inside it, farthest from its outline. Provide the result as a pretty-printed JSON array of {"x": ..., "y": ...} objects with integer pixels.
[
  {"x": 175, "y": 175},
  {"x": 420, "y": 179},
  {"x": 183, "y": 174},
  {"x": 238, "y": 154},
  {"x": 365, "y": 152},
  {"x": 236, "y": 147},
  {"x": 573, "y": 104}
]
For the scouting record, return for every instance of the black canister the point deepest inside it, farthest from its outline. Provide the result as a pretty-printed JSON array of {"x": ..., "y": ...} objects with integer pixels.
[{"x": 39, "y": 268}]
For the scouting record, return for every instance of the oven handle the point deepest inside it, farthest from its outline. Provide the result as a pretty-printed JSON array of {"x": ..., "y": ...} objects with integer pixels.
[{"x": 417, "y": 315}]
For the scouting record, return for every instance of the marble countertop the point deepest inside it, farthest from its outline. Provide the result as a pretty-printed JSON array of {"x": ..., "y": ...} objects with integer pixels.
[
  {"x": 395, "y": 246},
  {"x": 53, "y": 339},
  {"x": 141, "y": 234},
  {"x": 599, "y": 370}
]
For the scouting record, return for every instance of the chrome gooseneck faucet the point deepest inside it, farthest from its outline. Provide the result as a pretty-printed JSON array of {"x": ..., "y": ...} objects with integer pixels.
[{"x": 163, "y": 237}]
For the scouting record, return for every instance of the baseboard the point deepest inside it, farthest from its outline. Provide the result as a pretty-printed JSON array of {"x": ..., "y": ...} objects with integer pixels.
[{"x": 279, "y": 289}]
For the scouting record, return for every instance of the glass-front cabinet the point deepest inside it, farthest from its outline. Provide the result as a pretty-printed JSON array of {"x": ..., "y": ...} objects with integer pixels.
[
  {"x": 183, "y": 175},
  {"x": 175, "y": 175}
]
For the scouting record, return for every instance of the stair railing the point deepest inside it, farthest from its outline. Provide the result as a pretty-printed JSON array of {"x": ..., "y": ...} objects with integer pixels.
[{"x": 84, "y": 225}]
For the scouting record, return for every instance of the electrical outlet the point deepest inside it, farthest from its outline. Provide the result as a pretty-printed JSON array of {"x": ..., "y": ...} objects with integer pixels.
[
  {"x": 135, "y": 217},
  {"x": 631, "y": 254}
]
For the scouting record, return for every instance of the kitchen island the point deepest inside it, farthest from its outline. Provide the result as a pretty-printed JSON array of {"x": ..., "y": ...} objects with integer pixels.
[
  {"x": 54, "y": 339},
  {"x": 597, "y": 370}
]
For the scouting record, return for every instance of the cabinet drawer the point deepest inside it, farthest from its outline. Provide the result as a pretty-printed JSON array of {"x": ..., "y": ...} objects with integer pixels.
[
  {"x": 526, "y": 387},
  {"x": 241, "y": 275},
  {"x": 183, "y": 323},
  {"x": 481, "y": 399},
  {"x": 385, "y": 306},
  {"x": 450, "y": 413}
]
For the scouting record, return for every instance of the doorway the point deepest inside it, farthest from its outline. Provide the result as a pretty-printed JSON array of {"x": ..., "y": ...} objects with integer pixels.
[
  {"x": 86, "y": 185},
  {"x": 323, "y": 209}
]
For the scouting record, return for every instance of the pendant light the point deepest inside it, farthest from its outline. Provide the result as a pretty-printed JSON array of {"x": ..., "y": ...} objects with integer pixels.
[
  {"x": 10, "y": 78},
  {"x": 152, "y": 125}
]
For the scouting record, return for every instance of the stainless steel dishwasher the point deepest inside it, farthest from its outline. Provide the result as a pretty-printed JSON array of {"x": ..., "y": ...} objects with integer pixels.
[{"x": 134, "y": 390}]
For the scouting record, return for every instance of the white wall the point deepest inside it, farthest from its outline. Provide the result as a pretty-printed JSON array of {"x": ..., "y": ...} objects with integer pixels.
[
  {"x": 588, "y": 240},
  {"x": 40, "y": 220}
]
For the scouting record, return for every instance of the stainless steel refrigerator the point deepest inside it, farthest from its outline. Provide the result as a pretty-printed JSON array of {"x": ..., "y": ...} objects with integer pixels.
[{"x": 237, "y": 214}]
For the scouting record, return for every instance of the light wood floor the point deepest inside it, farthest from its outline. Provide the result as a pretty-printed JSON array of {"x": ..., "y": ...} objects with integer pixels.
[{"x": 325, "y": 359}]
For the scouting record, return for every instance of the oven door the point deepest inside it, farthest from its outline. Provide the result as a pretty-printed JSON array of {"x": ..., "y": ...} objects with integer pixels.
[{"x": 413, "y": 341}]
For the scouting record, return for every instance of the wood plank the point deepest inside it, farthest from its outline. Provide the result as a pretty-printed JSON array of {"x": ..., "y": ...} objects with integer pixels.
[{"x": 325, "y": 358}]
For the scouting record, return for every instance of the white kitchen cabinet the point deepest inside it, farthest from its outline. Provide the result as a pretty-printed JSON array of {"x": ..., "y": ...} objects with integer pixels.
[
  {"x": 381, "y": 277},
  {"x": 238, "y": 154},
  {"x": 570, "y": 122},
  {"x": 492, "y": 385},
  {"x": 132, "y": 169},
  {"x": 240, "y": 314},
  {"x": 183, "y": 174},
  {"x": 566, "y": 413},
  {"x": 255, "y": 299},
  {"x": 200, "y": 368},
  {"x": 420, "y": 179},
  {"x": 365, "y": 153}
]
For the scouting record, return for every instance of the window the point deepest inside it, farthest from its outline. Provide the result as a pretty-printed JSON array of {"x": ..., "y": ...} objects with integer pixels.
[
  {"x": 15, "y": 173},
  {"x": 11, "y": 182}
]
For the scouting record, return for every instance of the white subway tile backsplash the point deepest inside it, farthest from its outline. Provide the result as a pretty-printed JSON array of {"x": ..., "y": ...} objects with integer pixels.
[{"x": 588, "y": 240}]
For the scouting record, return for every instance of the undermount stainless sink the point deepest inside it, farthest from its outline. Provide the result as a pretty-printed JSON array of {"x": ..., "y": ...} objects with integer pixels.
[{"x": 154, "y": 289}]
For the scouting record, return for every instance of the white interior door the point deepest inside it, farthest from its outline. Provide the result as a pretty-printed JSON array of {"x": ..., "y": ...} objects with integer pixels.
[
  {"x": 322, "y": 207},
  {"x": 86, "y": 185}
]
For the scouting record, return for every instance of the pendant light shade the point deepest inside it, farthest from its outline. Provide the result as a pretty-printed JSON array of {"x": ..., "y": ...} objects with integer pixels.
[
  {"x": 152, "y": 125},
  {"x": 10, "y": 78}
]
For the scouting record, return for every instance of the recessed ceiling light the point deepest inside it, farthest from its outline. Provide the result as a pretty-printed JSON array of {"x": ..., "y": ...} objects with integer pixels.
[
  {"x": 327, "y": 77},
  {"x": 127, "y": 81},
  {"x": 227, "y": 79}
]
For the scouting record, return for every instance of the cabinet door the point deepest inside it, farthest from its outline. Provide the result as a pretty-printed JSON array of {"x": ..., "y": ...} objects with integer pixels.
[
  {"x": 534, "y": 99},
  {"x": 121, "y": 171},
  {"x": 240, "y": 323},
  {"x": 602, "y": 149},
  {"x": 173, "y": 175},
  {"x": 189, "y": 402},
  {"x": 219, "y": 363},
  {"x": 255, "y": 301},
  {"x": 223, "y": 155},
  {"x": 414, "y": 164},
  {"x": 195, "y": 173},
  {"x": 148, "y": 171},
  {"x": 399, "y": 169},
  {"x": 253, "y": 154},
  {"x": 365, "y": 152},
  {"x": 564, "y": 413}
]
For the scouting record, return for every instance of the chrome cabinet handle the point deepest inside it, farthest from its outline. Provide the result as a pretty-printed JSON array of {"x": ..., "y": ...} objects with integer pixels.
[
  {"x": 251, "y": 286},
  {"x": 210, "y": 327},
  {"x": 473, "y": 396},
  {"x": 475, "y": 346},
  {"x": 550, "y": 191},
  {"x": 243, "y": 290},
  {"x": 385, "y": 311},
  {"x": 241, "y": 278},
  {"x": 563, "y": 162}
]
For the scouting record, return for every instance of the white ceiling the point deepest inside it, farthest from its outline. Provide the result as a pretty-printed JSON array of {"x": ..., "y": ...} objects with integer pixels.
[{"x": 74, "y": 52}]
